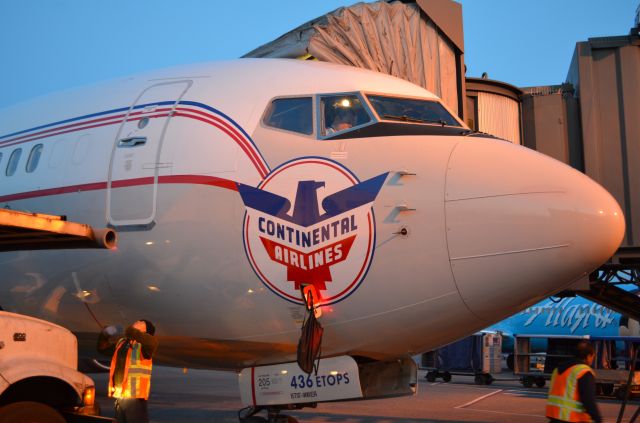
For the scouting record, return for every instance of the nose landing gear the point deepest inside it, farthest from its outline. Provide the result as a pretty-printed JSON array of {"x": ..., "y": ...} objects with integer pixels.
[{"x": 249, "y": 414}]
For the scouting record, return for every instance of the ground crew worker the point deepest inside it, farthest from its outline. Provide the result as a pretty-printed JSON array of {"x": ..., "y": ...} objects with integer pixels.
[
  {"x": 572, "y": 395},
  {"x": 130, "y": 373}
]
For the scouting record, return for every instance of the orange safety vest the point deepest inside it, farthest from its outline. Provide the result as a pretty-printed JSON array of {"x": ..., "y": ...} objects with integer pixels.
[
  {"x": 136, "y": 380},
  {"x": 563, "y": 402}
]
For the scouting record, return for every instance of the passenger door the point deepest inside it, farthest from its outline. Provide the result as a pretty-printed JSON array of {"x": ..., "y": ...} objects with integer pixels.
[{"x": 132, "y": 185}]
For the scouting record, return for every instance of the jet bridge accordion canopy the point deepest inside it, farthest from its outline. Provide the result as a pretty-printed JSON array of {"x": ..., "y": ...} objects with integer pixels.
[{"x": 421, "y": 42}]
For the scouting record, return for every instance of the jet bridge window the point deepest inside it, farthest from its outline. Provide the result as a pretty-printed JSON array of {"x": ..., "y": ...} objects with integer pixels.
[
  {"x": 291, "y": 114},
  {"x": 12, "y": 164},
  {"x": 34, "y": 158},
  {"x": 341, "y": 113},
  {"x": 411, "y": 110}
]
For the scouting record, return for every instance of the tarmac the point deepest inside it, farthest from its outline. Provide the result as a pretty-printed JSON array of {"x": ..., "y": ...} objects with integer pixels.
[{"x": 200, "y": 396}]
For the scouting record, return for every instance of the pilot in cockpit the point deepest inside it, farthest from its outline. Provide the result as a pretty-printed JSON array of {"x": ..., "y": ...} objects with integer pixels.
[{"x": 344, "y": 119}]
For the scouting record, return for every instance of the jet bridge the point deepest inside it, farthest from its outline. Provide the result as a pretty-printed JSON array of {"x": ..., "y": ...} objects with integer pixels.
[
  {"x": 418, "y": 40},
  {"x": 590, "y": 122},
  {"x": 34, "y": 231},
  {"x": 615, "y": 284},
  {"x": 605, "y": 283}
]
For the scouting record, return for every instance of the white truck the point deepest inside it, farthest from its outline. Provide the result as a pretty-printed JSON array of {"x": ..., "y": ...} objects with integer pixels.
[{"x": 39, "y": 382}]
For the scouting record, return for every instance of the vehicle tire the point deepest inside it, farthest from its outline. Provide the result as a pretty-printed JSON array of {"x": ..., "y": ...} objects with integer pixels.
[
  {"x": 488, "y": 379},
  {"x": 510, "y": 362},
  {"x": 622, "y": 391},
  {"x": 431, "y": 376},
  {"x": 540, "y": 382},
  {"x": 479, "y": 379},
  {"x": 29, "y": 411},
  {"x": 446, "y": 376},
  {"x": 253, "y": 419},
  {"x": 607, "y": 389},
  {"x": 527, "y": 381}
]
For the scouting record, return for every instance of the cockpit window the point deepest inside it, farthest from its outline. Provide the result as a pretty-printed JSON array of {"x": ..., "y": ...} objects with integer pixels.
[
  {"x": 411, "y": 110},
  {"x": 342, "y": 112},
  {"x": 291, "y": 114}
]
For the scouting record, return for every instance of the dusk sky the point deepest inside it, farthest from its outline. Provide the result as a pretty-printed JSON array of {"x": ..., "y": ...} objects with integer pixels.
[{"x": 49, "y": 45}]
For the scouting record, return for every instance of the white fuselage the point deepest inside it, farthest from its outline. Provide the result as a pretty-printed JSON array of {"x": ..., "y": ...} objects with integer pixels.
[{"x": 491, "y": 227}]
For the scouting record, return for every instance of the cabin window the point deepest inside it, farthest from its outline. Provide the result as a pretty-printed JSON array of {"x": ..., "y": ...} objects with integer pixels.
[
  {"x": 341, "y": 113},
  {"x": 411, "y": 110},
  {"x": 81, "y": 149},
  {"x": 12, "y": 164},
  {"x": 291, "y": 114},
  {"x": 34, "y": 158},
  {"x": 57, "y": 153}
]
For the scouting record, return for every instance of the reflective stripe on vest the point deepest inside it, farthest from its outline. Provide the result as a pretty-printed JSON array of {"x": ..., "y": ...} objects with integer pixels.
[
  {"x": 136, "y": 381},
  {"x": 563, "y": 402},
  {"x": 139, "y": 375}
]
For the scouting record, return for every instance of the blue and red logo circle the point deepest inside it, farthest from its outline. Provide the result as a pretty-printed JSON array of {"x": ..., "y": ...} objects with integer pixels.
[{"x": 311, "y": 222}]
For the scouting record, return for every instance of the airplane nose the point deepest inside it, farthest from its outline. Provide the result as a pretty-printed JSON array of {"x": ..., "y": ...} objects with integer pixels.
[{"x": 522, "y": 226}]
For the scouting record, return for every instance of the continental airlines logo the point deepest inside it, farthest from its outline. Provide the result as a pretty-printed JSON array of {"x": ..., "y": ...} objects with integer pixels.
[{"x": 326, "y": 239}]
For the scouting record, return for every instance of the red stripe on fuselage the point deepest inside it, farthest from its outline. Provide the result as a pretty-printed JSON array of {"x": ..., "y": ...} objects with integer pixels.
[
  {"x": 237, "y": 136},
  {"x": 79, "y": 126},
  {"x": 62, "y": 132},
  {"x": 173, "y": 179},
  {"x": 49, "y": 132},
  {"x": 247, "y": 146}
]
